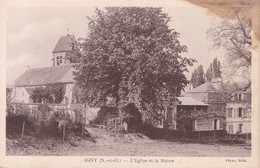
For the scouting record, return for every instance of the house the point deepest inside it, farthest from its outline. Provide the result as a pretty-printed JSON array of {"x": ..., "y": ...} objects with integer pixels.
[
  {"x": 238, "y": 115},
  {"x": 212, "y": 93},
  {"x": 60, "y": 73},
  {"x": 189, "y": 114}
]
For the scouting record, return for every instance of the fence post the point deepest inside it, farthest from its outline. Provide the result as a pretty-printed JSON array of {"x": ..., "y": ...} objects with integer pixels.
[
  {"x": 23, "y": 128},
  {"x": 99, "y": 130},
  {"x": 82, "y": 132},
  {"x": 63, "y": 137},
  {"x": 214, "y": 136}
]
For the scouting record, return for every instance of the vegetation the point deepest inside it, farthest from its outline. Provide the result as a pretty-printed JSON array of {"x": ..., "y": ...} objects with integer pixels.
[
  {"x": 41, "y": 121},
  {"x": 131, "y": 55},
  {"x": 198, "y": 77},
  {"x": 52, "y": 93},
  {"x": 214, "y": 70},
  {"x": 234, "y": 38}
]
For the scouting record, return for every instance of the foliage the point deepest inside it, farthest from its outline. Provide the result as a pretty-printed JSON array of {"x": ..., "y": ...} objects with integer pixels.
[
  {"x": 9, "y": 107},
  {"x": 52, "y": 93},
  {"x": 40, "y": 121},
  {"x": 15, "y": 119},
  {"x": 132, "y": 116},
  {"x": 234, "y": 38},
  {"x": 105, "y": 113},
  {"x": 77, "y": 94},
  {"x": 214, "y": 70},
  {"x": 131, "y": 55},
  {"x": 197, "y": 77}
]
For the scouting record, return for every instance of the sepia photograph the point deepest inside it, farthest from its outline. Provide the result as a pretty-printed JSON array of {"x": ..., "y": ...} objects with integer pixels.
[{"x": 130, "y": 81}]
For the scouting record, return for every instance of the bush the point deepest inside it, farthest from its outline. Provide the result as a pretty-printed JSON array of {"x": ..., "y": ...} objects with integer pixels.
[
  {"x": 14, "y": 125},
  {"x": 104, "y": 114},
  {"x": 41, "y": 121}
]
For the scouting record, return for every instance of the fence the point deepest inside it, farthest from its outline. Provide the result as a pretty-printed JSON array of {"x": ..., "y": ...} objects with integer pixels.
[
  {"x": 75, "y": 111},
  {"x": 45, "y": 119}
]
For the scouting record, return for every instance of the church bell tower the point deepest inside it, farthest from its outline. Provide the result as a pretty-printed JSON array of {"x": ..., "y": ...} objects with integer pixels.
[{"x": 63, "y": 48}]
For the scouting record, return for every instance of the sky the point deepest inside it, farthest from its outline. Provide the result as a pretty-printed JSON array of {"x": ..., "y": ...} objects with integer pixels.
[{"x": 32, "y": 33}]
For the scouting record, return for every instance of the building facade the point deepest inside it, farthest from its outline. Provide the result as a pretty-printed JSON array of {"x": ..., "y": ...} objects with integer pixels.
[
  {"x": 60, "y": 73},
  {"x": 189, "y": 114},
  {"x": 238, "y": 115}
]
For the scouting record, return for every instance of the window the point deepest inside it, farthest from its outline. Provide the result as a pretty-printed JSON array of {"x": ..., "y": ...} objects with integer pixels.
[
  {"x": 58, "y": 60},
  {"x": 229, "y": 114},
  {"x": 240, "y": 128},
  {"x": 240, "y": 112},
  {"x": 215, "y": 124},
  {"x": 239, "y": 96},
  {"x": 235, "y": 112},
  {"x": 22, "y": 93},
  {"x": 230, "y": 129}
]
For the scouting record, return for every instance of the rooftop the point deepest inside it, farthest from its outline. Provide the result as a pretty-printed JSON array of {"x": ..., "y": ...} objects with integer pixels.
[
  {"x": 65, "y": 43},
  {"x": 206, "y": 87},
  {"x": 48, "y": 75}
]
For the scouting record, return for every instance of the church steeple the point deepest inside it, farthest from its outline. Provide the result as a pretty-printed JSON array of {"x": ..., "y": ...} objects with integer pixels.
[{"x": 64, "y": 46}]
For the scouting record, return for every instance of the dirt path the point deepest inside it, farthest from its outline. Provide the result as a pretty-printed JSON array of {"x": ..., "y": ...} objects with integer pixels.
[
  {"x": 159, "y": 148},
  {"x": 141, "y": 148}
]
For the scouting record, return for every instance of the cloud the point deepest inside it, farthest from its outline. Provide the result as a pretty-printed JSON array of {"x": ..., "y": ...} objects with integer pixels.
[{"x": 33, "y": 46}]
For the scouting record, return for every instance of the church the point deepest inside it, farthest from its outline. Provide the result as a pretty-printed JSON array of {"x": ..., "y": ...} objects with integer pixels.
[{"x": 61, "y": 72}]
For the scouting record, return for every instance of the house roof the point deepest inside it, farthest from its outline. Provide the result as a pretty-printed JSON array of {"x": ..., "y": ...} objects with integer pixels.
[
  {"x": 206, "y": 88},
  {"x": 65, "y": 43},
  {"x": 43, "y": 76},
  {"x": 189, "y": 101}
]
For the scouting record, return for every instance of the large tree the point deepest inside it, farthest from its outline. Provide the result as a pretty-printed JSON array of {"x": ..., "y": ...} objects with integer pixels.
[
  {"x": 234, "y": 38},
  {"x": 131, "y": 55}
]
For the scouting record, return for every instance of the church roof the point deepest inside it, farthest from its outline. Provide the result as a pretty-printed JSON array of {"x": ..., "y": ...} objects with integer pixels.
[
  {"x": 65, "y": 43},
  {"x": 43, "y": 76}
]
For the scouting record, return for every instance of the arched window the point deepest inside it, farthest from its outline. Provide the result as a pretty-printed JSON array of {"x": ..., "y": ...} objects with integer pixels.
[{"x": 58, "y": 60}]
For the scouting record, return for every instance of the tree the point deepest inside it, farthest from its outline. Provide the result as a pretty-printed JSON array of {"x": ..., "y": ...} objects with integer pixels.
[
  {"x": 194, "y": 78},
  {"x": 234, "y": 37},
  {"x": 131, "y": 55},
  {"x": 197, "y": 77},
  {"x": 201, "y": 75},
  {"x": 214, "y": 70},
  {"x": 209, "y": 73},
  {"x": 52, "y": 93}
]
